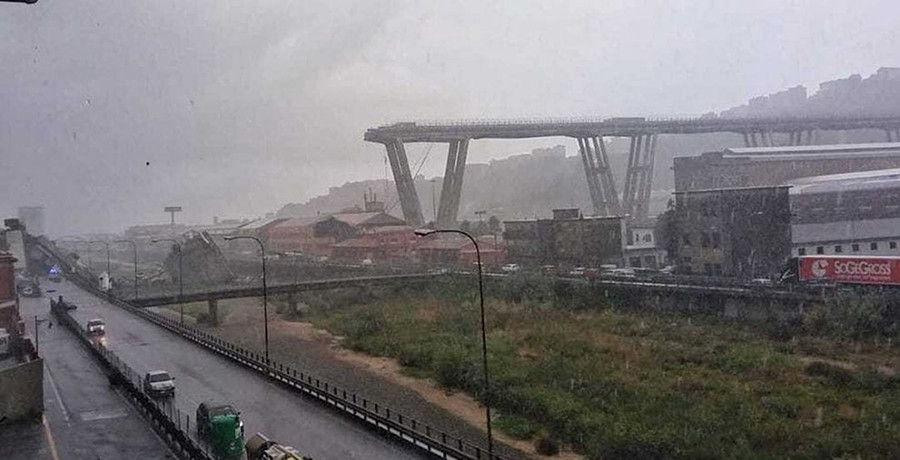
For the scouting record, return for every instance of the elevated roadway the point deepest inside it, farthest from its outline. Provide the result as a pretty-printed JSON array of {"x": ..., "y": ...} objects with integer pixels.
[
  {"x": 257, "y": 291},
  {"x": 590, "y": 134}
]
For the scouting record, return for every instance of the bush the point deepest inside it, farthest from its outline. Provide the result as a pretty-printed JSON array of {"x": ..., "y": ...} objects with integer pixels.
[{"x": 546, "y": 446}]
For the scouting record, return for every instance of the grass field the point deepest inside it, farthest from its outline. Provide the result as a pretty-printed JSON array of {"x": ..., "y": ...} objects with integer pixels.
[{"x": 621, "y": 384}]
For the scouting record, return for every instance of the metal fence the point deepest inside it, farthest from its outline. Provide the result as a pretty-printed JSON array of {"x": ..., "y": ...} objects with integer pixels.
[
  {"x": 377, "y": 416},
  {"x": 166, "y": 419}
]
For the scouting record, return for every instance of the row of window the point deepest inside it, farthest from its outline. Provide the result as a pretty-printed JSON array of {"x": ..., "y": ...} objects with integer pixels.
[
  {"x": 839, "y": 249},
  {"x": 707, "y": 240}
]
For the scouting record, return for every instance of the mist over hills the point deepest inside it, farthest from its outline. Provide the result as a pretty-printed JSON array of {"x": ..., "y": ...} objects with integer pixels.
[{"x": 527, "y": 185}]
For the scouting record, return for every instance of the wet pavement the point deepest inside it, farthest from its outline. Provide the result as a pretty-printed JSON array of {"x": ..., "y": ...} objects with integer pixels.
[
  {"x": 84, "y": 418},
  {"x": 201, "y": 375}
]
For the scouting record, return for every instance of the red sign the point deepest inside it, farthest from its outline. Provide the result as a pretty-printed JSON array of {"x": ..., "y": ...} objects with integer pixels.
[{"x": 841, "y": 269}]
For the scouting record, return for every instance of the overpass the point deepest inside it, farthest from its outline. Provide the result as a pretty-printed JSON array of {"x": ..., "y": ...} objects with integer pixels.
[
  {"x": 590, "y": 134},
  {"x": 257, "y": 291}
]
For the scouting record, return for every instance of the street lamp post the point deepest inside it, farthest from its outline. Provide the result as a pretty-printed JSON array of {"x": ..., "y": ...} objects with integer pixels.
[
  {"x": 484, "y": 359},
  {"x": 134, "y": 249},
  {"x": 262, "y": 248},
  {"x": 180, "y": 274}
]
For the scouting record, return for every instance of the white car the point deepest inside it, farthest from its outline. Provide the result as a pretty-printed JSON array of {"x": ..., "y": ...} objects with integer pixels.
[
  {"x": 159, "y": 384},
  {"x": 96, "y": 327},
  {"x": 510, "y": 268}
]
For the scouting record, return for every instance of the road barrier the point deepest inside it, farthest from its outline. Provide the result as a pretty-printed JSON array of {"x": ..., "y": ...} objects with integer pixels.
[
  {"x": 375, "y": 416},
  {"x": 171, "y": 424}
]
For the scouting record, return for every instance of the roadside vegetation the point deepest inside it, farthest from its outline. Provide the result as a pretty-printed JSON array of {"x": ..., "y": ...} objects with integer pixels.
[{"x": 625, "y": 383}]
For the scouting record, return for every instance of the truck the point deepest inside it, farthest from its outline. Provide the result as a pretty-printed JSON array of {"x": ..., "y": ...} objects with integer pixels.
[
  {"x": 220, "y": 424},
  {"x": 827, "y": 269},
  {"x": 259, "y": 447}
]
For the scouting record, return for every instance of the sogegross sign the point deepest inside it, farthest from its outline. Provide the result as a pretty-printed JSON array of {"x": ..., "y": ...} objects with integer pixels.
[{"x": 880, "y": 270}]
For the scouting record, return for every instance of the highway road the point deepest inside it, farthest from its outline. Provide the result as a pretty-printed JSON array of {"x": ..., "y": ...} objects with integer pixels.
[
  {"x": 84, "y": 417},
  {"x": 201, "y": 375}
]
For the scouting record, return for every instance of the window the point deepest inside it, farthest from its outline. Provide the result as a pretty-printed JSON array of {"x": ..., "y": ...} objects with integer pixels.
[
  {"x": 820, "y": 250},
  {"x": 717, "y": 269},
  {"x": 648, "y": 238},
  {"x": 708, "y": 269},
  {"x": 873, "y": 246},
  {"x": 686, "y": 239},
  {"x": 838, "y": 249},
  {"x": 855, "y": 247},
  {"x": 893, "y": 245},
  {"x": 801, "y": 251},
  {"x": 715, "y": 239},
  {"x": 704, "y": 240}
]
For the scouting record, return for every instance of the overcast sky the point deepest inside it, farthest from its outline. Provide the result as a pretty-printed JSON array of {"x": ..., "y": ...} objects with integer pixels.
[{"x": 242, "y": 106}]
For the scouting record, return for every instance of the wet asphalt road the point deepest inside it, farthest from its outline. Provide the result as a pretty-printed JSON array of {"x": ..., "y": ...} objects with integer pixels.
[
  {"x": 84, "y": 418},
  {"x": 201, "y": 375}
]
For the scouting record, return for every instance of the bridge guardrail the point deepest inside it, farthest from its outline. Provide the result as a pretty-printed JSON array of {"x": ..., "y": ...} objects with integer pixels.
[
  {"x": 374, "y": 415},
  {"x": 171, "y": 424}
]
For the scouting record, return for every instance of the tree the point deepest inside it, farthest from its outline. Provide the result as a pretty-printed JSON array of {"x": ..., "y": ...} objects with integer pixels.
[{"x": 494, "y": 225}]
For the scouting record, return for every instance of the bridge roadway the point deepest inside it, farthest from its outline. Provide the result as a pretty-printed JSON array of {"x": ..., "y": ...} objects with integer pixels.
[
  {"x": 202, "y": 375},
  {"x": 257, "y": 291},
  {"x": 615, "y": 127}
]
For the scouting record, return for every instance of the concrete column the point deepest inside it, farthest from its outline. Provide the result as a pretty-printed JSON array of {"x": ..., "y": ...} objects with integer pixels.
[
  {"x": 746, "y": 139},
  {"x": 212, "y": 307},
  {"x": 451, "y": 189},
  {"x": 639, "y": 176},
  {"x": 607, "y": 183},
  {"x": 406, "y": 187},
  {"x": 890, "y": 135},
  {"x": 447, "y": 187},
  {"x": 591, "y": 176}
]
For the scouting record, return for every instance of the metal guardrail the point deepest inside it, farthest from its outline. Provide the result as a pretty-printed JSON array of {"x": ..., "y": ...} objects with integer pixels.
[
  {"x": 374, "y": 415},
  {"x": 171, "y": 424}
]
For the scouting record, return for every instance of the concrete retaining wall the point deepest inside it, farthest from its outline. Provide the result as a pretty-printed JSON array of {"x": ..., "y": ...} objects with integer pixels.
[{"x": 22, "y": 390}]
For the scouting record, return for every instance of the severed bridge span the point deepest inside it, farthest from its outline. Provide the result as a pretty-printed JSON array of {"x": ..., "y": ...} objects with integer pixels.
[{"x": 590, "y": 134}]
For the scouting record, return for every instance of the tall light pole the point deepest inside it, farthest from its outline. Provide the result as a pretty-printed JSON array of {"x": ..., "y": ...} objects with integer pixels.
[
  {"x": 487, "y": 403},
  {"x": 180, "y": 274},
  {"x": 262, "y": 248},
  {"x": 134, "y": 249}
]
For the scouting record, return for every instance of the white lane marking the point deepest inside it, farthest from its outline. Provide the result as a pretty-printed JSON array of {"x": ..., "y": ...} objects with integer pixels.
[
  {"x": 62, "y": 406},
  {"x": 103, "y": 414}
]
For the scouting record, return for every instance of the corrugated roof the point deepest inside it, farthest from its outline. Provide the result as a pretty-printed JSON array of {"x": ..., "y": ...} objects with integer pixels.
[
  {"x": 844, "y": 182},
  {"x": 845, "y": 230}
]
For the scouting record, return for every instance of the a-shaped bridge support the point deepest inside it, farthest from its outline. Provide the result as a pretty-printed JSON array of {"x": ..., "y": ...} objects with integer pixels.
[
  {"x": 451, "y": 190},
  {"x": 639, "y": 176},
  {"x": 406, "y": 186},
  {"x": 600, "y": 181}
]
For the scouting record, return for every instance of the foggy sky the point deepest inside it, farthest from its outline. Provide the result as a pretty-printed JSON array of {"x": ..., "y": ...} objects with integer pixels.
[{"x": 242, "y": 106}]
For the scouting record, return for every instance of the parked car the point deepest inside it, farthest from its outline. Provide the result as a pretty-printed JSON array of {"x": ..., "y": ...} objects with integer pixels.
[
  {"x": 509, "y": 268},
  {"x": 577, "y": 271},
  {"x": 159, "y": 384},
  {"x": 96, "y": 327}
]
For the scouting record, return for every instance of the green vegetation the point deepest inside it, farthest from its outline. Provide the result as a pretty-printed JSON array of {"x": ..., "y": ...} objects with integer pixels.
[{"x": 625, "y": 384}]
